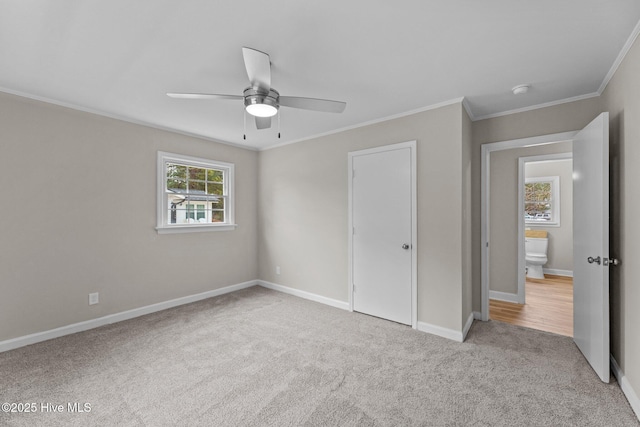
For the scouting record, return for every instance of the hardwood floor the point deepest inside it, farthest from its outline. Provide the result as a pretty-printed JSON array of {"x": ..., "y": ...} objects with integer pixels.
[{"x": 549, "y": 306}]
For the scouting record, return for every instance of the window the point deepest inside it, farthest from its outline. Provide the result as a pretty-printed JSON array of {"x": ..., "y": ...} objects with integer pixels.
[
  {"x": 542, "y": 201},
  {"x": 194, "y": 194}
]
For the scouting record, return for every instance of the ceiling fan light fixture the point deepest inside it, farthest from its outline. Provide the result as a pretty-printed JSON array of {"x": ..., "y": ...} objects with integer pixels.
[
  {"x": 261, "y": 104},
  {"x": 261, "y": 110}
]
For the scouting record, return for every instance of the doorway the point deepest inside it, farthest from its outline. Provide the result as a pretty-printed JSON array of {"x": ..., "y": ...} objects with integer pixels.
[
  {"x": 531, "y": 210},
  {"x": 545, "y": 210},
  {"x": 383, "y": 232},
  {"x": 590, "y": 238}
]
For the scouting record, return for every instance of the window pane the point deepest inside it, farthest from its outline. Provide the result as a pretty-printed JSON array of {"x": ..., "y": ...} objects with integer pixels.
[
  {"x": 176, "y": 171},
  {"x": 218, "y": 204},
  {"x": 217, "y": 216},
  {"x": 176, "y": 184},
  {"x": 173, "y": 215},
  {"x": 214, "y": 175},
  {"x": 196, "y": 186},
  {"x": 181, "y": 216},
  {"x": 215, "y": 188},
  {"x": 537, "y": 192},
  {"x": 197, "y": 173},
  {"x": 538, "y": 198},
  {"x": 191, "y": 211},
  {"x": 200, "y": 212},
  {"x": 176, "y": 200}
]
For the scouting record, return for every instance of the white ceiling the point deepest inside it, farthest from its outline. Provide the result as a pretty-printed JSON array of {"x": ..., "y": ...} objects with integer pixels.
[{"x": 383, "y": 58}]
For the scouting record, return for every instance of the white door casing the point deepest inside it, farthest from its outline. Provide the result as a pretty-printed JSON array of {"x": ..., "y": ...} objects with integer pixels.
[
  {"x": 382, "y": 238},
  {"x": 591, "y": 244}
]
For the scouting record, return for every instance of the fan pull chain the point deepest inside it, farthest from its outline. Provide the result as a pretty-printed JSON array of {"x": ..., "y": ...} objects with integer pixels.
[
  {"x": 244, "y": 116},
  {"x": 279, "y": 125}
]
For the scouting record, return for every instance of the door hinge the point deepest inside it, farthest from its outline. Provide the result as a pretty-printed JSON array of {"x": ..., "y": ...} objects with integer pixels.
[
  {"x": 353, "y": 173},
  {"x": 354, "y": 287},
  {"x": 353, "y": 231}
]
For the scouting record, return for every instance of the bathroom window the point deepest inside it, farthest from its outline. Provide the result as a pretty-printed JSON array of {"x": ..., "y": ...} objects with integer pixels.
[{"x": 542, "y": 201}]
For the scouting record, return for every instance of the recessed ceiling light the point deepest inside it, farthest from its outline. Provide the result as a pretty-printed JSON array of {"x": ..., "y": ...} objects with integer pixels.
[{"x": 520, "y": 89}]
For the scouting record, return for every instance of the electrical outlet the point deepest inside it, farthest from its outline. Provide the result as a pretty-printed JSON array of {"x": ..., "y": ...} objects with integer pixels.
[
  {"x": 277, "y": 269},
  {"x": 94, "y": 298}
]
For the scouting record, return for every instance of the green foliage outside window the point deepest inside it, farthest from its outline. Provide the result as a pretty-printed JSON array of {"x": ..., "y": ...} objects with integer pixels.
[{"x": 537, "y": 198}]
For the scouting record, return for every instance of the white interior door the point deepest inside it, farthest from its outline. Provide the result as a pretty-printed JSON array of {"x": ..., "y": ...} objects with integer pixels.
[
  {"x": 591, "y": 244},
  {"x": 382, "y": 246}
]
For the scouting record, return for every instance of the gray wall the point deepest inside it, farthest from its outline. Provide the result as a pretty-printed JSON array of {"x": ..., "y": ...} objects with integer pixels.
[
  {"x": 622, "y": 99},
  {"x": 303, "y": 210},
  {"x": 79, "y": 211},
  {"x": 503, "y": 265},
  {"x": 560, "y": 251}
]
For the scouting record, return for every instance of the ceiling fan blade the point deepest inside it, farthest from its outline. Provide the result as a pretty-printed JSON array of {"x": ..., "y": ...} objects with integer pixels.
[
  {"x": 263, "y": 122},
  {"x": 314, "y": 104},
  {"x": 202, "y": 96},
  {"x": 258, "y": 67}
]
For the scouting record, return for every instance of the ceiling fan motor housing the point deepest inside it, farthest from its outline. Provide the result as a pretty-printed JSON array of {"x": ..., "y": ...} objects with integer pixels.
[{"x": 257, "y": 96}]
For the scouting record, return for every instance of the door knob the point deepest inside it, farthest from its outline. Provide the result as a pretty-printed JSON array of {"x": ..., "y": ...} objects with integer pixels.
[
  {"x": 405, "y": 246},
  {"x": 591, "y": 260}
]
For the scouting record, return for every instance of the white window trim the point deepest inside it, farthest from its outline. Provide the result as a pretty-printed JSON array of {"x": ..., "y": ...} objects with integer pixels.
[
  {"x": 555, "y": 201},
  {"x": 162, "y": 226}
]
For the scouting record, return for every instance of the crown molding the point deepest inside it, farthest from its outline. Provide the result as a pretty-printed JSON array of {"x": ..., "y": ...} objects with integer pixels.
[
  {"x": 117, "y": 117},
  {"x": 538, "y": 106},
  {"x": 623, "y": 53},
  {"x": 371, "y": 122},
  {"x": 467, "y": 107}
]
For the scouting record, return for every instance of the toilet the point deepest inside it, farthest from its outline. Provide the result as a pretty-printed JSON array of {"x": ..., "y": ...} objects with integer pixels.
[{"x": 535, "y": 244}]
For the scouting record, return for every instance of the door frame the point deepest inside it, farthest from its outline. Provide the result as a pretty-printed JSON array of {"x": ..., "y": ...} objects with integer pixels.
[
  {"x": 522, "y": 161},
  {"x": 485, "y": 184},
  {"x": 412, "y": 145}
]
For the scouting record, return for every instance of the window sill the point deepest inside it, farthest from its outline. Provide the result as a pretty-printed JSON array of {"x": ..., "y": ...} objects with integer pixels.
[
  {"x": 542, "y": 224},
  {"x": 194, "y": 228}
]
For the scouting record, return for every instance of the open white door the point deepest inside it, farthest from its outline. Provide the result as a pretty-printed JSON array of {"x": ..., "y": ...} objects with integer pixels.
[{"x": 591, "y": 244}]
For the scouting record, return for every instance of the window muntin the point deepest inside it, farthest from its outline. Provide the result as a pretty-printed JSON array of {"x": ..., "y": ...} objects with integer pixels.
[
  {"x": 542, "y": 201},
  {"x": 191, "y": 189},
  {"x": 194, "y": 193}
]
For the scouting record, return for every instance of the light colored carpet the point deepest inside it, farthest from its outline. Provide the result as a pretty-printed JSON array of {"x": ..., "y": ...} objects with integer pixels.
[{"x": 259, "y": 357}]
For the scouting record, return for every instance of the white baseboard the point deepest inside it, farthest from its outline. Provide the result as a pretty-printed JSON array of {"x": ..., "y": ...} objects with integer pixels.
[
  {"x": 628, "y": 391},
  {"x": 117, "y": 317},
  {"x": 556, "y": 272},
  {"x": 440, "y": 331},
  {"x": 477, "y": 315},
  {"x": 422, "y": 326},
  {"x": 304, "y": 294},
  {"x": 467, "y": 326},
  {"x": 503, "y": 296}
]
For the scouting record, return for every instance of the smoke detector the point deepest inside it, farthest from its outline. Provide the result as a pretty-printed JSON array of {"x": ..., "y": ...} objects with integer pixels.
[{"x": 520, "y": 89}]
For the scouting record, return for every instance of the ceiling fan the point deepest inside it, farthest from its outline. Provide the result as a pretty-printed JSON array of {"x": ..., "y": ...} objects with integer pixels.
[{"x": 260, "y": 99}]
